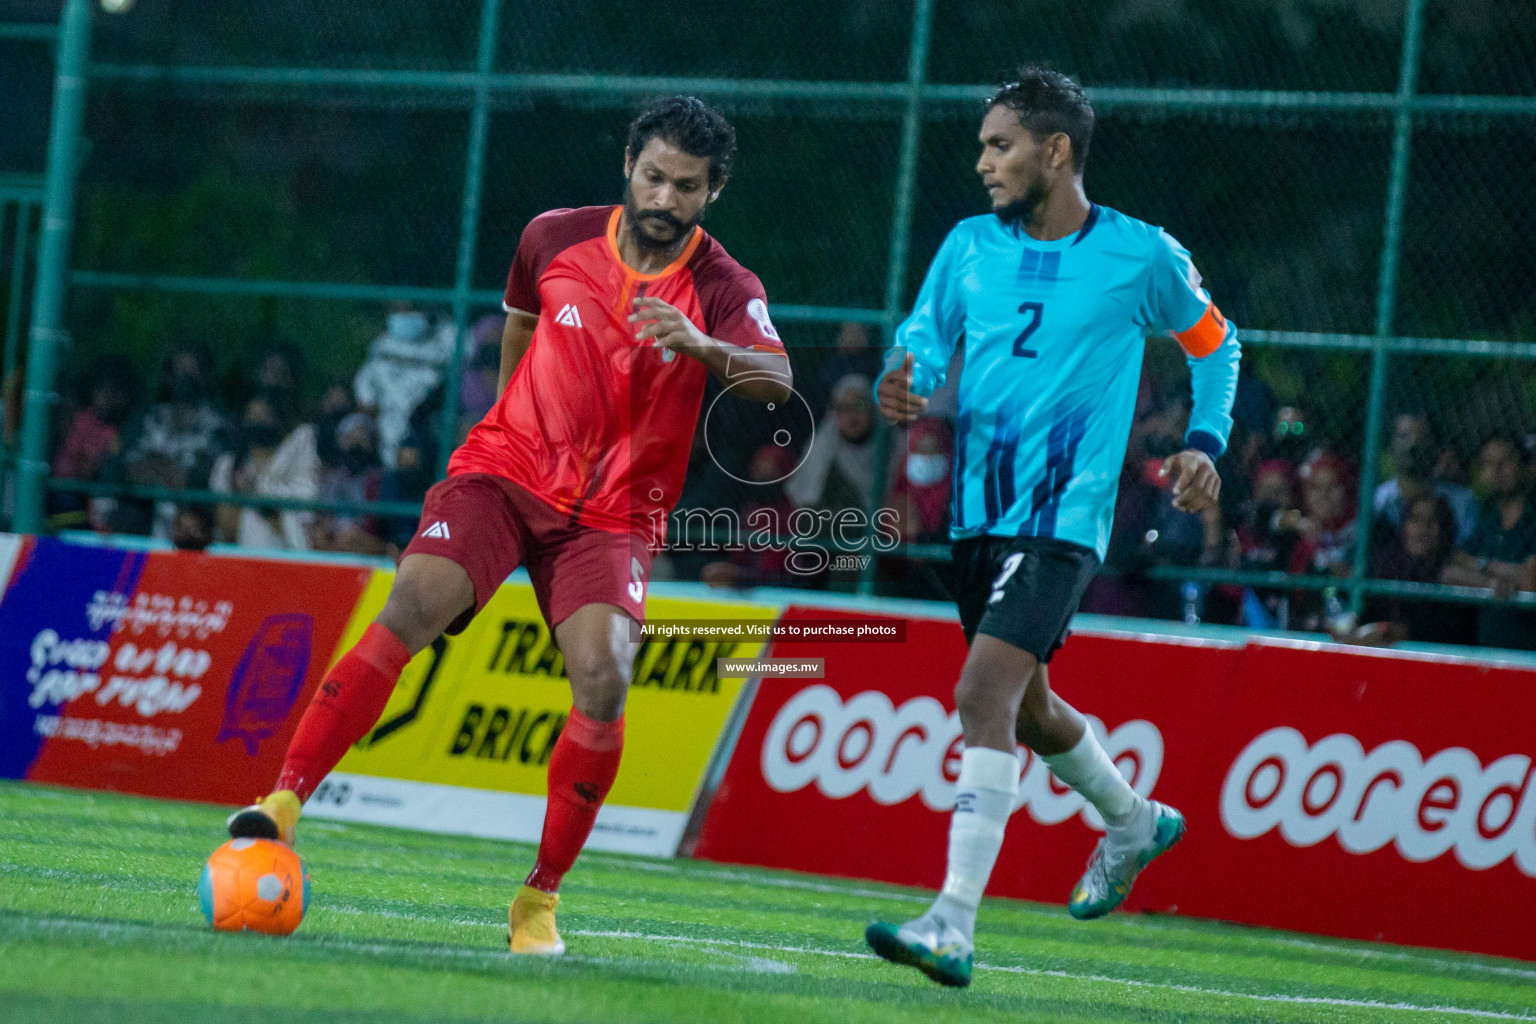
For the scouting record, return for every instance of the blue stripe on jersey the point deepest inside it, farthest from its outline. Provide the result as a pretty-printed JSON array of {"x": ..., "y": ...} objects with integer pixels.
[
  {"x": 989, "y": 481},
  {"x": 1007, "y": 492},
  {"x": 1060, "y": 466},
  {"x": 998, "y": 488}
]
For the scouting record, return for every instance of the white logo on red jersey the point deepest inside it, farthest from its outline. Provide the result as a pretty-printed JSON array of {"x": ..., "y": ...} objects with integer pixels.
[
  {"x": 569, "y": 316},
  {"x": 757, "y": 309},
  {"x": 438, "y": 530}
]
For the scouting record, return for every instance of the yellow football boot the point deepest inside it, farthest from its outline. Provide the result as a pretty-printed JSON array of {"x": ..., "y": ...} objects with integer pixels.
[{"x": 532, "y": 923}]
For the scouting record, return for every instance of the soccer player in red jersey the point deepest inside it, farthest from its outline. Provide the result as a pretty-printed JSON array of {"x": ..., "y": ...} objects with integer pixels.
[{"x": 615, "y": 315}]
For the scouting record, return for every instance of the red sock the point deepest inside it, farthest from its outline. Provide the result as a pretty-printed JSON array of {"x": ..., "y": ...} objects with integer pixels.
[
  {"x": 581, "y": 771},
  {"x": 348, "y": 703}
]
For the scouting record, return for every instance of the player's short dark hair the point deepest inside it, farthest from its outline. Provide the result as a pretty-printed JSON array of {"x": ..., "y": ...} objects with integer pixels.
[
  {"x": 1048, "y": 102},
  {"x": 691, "y": 125}
]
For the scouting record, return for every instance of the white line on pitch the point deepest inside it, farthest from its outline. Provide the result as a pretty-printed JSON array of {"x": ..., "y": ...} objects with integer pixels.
[
  {"x": 1371, "y": 1004},
  {"x": 1340, "y": 950}
]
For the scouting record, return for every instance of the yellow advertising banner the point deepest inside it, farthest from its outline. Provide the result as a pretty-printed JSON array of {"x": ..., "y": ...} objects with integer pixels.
[{"x": 481, "y": 711}]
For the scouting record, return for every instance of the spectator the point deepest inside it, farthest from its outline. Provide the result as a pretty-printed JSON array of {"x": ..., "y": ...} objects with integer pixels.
[
  {"x": 1415, "y": 553},
  {"x": 192, "y": 527},
  {"x": 838, "y": 474},
  {"x": 1324, "y": 532},
  {"x": 853, "y": 353},
  {"x": 1501, "y": 553},
  {"x": 279, "y": 368},
  {"x": 482, "y": 372},
  {"x": 174, "y": 443},
  {"x": 92, "y": 437},
  {"x": 1324, "y": 527},
  {"x": 1450, "y": 465},
  {"x": 920, "y": 493},
  {"x": 278, "y": 459},
  {"x": 404, "y": 364},
  {"x": 1294, "y": 439},
  {"x": 839, "y": 471},
  {"x": 359, "y": 477},
  {"x": 335, "y": 405},
  {"x": 94, "y": 432},
  {"x": 1413, "y": 463},
  {"x": 1260, "y": 545}
]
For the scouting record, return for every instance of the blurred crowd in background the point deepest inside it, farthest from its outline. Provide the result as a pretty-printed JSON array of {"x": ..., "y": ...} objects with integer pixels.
[
  {"x": 1447, "y": 510},
  {"x": 267, "y": 431}
]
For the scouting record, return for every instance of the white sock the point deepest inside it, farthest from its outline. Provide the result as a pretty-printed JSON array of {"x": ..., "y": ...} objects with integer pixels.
[
  {"x": 989, "y": 780},
  {"x": 1087, "y": 769}
]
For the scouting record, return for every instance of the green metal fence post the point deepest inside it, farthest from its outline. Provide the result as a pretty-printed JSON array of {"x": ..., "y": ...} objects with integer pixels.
[
  {"x": 1386, "y": 293},
  {"x": 47, "y": 334},
  {"x": 901, "y": 232},
  {"x": 469, "y": 227}
]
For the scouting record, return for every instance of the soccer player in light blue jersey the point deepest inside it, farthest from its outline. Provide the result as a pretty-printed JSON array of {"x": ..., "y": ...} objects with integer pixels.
[{"x": 1053, "y": 298}]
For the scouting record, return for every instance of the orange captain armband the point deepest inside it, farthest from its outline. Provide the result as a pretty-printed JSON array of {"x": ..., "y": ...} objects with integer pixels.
[{"x": 1206, "y": 335}]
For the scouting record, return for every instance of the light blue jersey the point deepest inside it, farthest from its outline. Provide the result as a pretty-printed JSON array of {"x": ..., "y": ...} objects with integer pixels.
[{"x": 1053, "y": 335}]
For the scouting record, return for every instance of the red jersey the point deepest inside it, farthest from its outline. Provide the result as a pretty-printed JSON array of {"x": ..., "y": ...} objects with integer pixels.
[{"x": 594, "y": 423}]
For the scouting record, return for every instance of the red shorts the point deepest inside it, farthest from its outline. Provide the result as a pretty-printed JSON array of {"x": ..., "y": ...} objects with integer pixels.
[{"x": 490, "y": 526}]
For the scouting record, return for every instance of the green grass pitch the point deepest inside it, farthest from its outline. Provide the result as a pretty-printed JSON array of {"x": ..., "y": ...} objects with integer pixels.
[{"x": 99, "y": 922}]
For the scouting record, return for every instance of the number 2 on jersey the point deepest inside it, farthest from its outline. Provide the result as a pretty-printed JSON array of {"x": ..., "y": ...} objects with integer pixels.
[{"x": 1036, "y": 311}]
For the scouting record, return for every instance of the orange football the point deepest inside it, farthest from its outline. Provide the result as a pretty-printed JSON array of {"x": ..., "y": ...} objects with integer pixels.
[{"x": 254, "y": 885}]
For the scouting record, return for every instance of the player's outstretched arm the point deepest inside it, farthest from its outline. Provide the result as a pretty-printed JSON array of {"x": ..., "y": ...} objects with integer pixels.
[
  {"x": 515, "y": 338},
  {"x": 756, "y": 375}
]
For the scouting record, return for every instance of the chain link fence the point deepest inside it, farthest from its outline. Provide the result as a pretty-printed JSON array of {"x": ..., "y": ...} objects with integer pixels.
[{"x": 1351, "y": 176}]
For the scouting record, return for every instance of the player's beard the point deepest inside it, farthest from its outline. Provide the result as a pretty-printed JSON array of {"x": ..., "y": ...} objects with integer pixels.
[
  {"x": 680, "y": 228},
  {"x": 1021, "y": 211}
]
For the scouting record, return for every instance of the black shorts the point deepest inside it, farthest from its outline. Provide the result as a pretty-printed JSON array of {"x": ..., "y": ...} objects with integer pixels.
[{"x": 1021, "y": 590}]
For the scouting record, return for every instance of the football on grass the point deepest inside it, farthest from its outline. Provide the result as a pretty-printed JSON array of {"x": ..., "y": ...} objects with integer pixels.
[{"x": 254, "y": 885}]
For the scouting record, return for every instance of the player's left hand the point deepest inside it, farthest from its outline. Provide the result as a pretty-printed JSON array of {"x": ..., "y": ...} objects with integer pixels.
[
  {"x": 665, "y": 326},
  {"x": 1196, "y": 484}
]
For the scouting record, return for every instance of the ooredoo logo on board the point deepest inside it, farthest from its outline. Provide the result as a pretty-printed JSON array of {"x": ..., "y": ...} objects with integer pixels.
[
  {"x": 896, "y": 753},
  {"x": 1427, "y": 806}
]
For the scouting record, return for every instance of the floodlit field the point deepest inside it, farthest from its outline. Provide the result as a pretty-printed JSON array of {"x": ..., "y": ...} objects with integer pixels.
[{"x": 99, "y": 922}]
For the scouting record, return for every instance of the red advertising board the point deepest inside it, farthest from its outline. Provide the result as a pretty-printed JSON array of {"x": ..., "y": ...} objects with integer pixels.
[
  {"x": 178, "y": 675},
  {"x": 1361, "y": 794},
  {"x": 1370, "y": 795}
]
